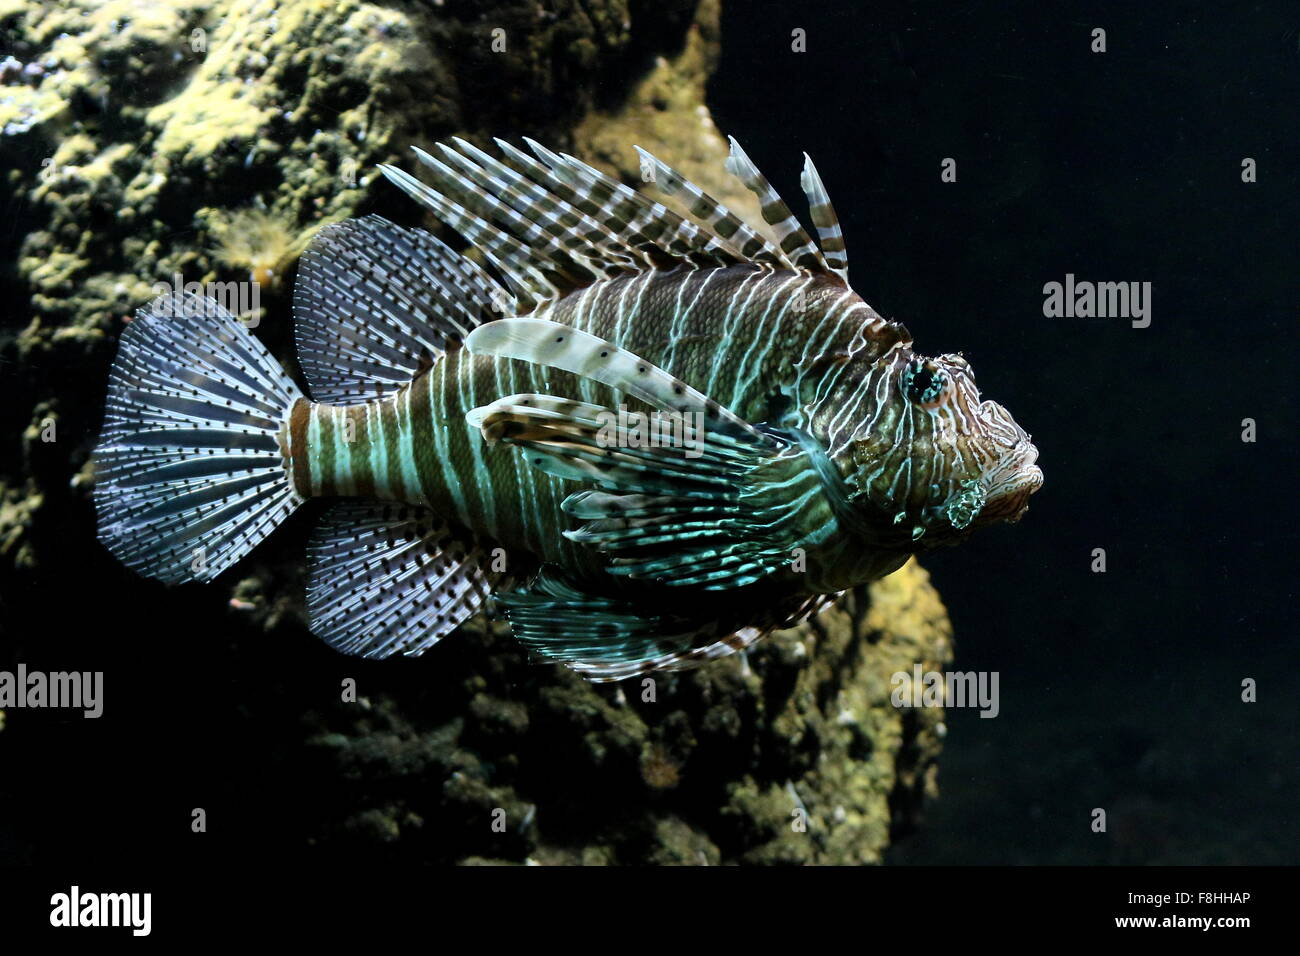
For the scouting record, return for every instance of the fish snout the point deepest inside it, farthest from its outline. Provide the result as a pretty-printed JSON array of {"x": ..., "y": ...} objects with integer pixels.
[{"x": 1009, "y": 485}]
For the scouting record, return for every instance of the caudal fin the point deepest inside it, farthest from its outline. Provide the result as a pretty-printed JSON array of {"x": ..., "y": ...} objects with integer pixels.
[{"x": 189, "y": 472}]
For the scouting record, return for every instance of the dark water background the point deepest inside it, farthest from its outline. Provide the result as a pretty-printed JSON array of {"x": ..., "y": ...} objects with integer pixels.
[{"x": 1119, "y": 690}]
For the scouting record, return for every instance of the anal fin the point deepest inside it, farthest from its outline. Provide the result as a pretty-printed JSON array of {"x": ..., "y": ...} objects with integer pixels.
[{"x": 389, "y": 578}]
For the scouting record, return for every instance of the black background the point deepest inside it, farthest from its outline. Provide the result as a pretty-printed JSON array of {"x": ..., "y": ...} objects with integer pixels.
[{"x": 1118, "y": 690}]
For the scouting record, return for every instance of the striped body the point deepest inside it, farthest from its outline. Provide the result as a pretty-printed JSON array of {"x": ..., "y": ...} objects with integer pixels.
[{"x": 742, "y": 334}]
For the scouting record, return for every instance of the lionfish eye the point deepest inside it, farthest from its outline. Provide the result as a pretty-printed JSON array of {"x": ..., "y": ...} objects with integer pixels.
[{"x": 924, "y": 382}]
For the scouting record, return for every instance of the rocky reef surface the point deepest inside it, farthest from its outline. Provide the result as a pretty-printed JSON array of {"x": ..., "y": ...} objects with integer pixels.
[
  {"x": 210, "y": 139},
  {"x": 792, "y": 756}
]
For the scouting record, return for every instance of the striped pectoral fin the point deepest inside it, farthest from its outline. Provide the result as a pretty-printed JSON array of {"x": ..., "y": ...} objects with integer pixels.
[
  {"x": 389, "y": 578},
  {"x": 551, "y": 344},
  {"x": 608, "y": 639},
  {"x": 691, "y": 495}
]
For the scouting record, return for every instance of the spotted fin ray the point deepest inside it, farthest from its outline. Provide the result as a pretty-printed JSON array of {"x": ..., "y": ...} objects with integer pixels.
[
  {"x": 390, "y": 579},
  {"x": 375, "y": 304},
  {"x": 551, "y": 224},
  {"x": 190, "y": 468}
]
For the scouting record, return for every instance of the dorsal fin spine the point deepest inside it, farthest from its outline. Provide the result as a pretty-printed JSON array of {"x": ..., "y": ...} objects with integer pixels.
[
  {"x": 559, "y": 221},
  {"x": 505, "y": 211},
  {"x": 598, "y": 235},
  {"x": 824, "y": 220},
  {"x": 600, "y": 193},
  {"x": 734, "y": 234},
  {"x": 507, "y": 254},
  {"x": 551, "y": 224},
  {"x": 794, "y": 241}
]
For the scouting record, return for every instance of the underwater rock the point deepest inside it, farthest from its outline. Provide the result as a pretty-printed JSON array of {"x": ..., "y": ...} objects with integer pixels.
[
  {"x": 793, "y": 755},
  {"x": 210, "y": 139}
]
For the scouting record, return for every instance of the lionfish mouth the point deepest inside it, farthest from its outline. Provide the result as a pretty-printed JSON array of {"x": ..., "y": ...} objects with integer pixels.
[{"x": 1009, "y": 485}]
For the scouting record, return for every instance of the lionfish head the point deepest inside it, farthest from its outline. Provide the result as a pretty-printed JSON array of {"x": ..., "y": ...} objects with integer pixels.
[{"x": 934, "y": 462}]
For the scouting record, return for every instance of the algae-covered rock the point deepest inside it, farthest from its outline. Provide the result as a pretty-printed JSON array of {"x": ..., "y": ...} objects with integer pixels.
[
  {"x": 208, "y": 140},
  {"x": 791, "y": 754}
]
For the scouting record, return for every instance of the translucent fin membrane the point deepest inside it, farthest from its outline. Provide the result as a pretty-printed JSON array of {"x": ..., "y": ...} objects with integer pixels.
[
  {"x": 375, "y": 303},
  {"x": 189, "y": 473},
  {"x": 388, "y": 579}
]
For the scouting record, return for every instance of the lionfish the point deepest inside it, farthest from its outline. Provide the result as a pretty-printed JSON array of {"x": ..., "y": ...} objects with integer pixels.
[{"x": 649, "y": 438}]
